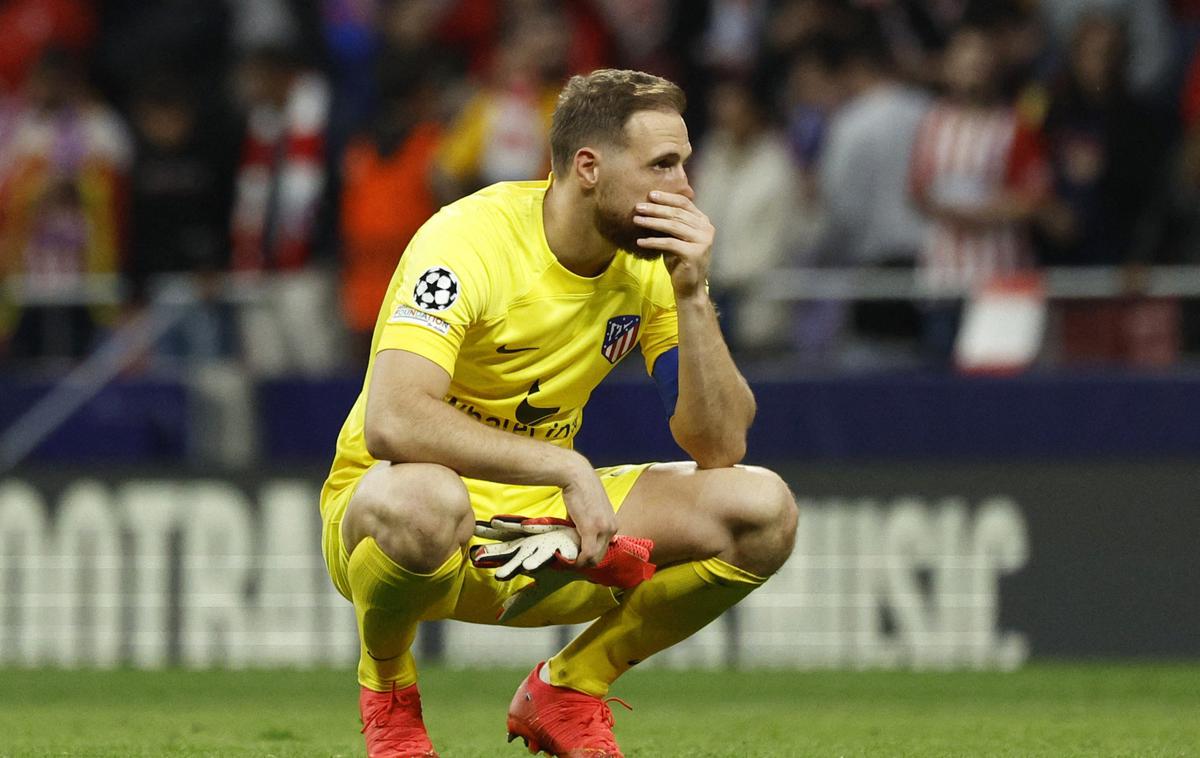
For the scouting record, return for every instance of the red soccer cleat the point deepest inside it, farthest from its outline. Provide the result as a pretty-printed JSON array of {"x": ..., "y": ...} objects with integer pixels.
[
  {"x": 392, "y": 724},
  {"x": 562, "y": 722}
]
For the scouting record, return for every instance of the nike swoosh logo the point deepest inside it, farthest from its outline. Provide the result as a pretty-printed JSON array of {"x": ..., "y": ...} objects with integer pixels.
[
  {"x": 506, "y": 350},
  {"x": 531, "y": 414},
  {"x": 383, "y": 660}
]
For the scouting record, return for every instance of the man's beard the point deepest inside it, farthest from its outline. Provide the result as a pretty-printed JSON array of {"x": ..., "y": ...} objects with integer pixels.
[{"x": 619, "y": 229}]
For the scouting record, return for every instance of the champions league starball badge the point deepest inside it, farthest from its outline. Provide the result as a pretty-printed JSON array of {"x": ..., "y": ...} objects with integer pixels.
[{"x": 436, "y": 290}]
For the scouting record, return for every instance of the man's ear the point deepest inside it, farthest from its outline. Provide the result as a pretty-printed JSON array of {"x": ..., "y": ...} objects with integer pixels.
[{"x": 587, "y": 167}]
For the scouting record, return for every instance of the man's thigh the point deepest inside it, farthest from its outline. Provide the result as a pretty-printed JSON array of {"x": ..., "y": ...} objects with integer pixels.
[
  {"x": 693, "y": 513},
  {"x": 490, "y": 499}
]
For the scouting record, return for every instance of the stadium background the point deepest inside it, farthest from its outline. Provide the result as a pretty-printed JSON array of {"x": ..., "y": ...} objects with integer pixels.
[{"x": 200, "y": 203}]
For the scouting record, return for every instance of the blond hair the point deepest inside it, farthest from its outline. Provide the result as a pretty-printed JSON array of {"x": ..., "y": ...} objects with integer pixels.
[{"x": 594, "y": 109}]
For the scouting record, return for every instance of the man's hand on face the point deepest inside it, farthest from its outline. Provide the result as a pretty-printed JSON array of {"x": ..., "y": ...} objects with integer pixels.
[{"x": 688, "y": 245}]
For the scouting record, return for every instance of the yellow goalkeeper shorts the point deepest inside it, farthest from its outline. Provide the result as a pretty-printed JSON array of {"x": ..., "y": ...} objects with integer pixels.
[{"x": 481, "y": 596}]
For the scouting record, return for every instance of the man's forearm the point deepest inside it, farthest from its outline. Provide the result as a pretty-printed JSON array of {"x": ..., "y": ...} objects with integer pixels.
[
  {"x": 426, "y": 430},
  {"x": 715, "y": 404}
]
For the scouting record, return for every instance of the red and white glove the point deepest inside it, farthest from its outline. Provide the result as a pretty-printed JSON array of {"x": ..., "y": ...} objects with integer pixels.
[{"x": 527, "y": 544}]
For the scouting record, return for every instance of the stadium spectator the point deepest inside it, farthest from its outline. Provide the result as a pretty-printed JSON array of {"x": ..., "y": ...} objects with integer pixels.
[
  {"x": 730, "y": 41},
  {"x": 190, "y": 38},
  {"x": 589, "y": 39},
  {"x": 476, "y": 31},
  {"x": 516, "y": 52},
  {"x": 1185, "y": 205},
  {"x": 386, "y": 196},
  {"x": 1107, "y": 148},
  {"x": 643, "y": 33},
  {"x": 1189, "y": 105},
  {"x": 718, "y": 40},
  {"x": 63, "y": 163},
  {"x": 811, "y": 93},
  {"x": 1182, "y": 203},
  {"x": 794, "y": 24},
  {"x": 748, "y": 185},
  {"x": 408, "y": 40},
  {"x": 181, "y": 191},
  {"x": 348, "y": 30},
  {"x": 278, "y": 203},
  {"x": 275, "y": 24},
  {"x": 502, "y": 132},
  {"x": 916, "y": 32},
  {"x": 280, "y": 176},
  {"x": 863, "y": 180},
  {"x": 979, "y": 174},
  {"x": 28, "y": 28},
  {"x": 1147, "y": 23}
]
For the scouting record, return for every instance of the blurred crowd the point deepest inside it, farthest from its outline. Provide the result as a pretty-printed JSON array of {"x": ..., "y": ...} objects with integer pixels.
[{"x": 272, "y": 158}]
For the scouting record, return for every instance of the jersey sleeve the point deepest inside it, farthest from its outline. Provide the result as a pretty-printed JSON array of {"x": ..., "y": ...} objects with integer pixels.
[
  {"x": 661, "y": 330},
  {"x": 440, "y": 290}
]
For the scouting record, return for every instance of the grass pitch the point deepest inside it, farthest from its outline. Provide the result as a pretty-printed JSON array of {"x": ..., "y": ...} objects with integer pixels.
[{"x": 1043, "y": 710}]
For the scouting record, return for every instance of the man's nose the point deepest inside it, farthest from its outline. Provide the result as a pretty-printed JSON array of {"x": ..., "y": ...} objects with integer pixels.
[{"x": 684, "y": 186}]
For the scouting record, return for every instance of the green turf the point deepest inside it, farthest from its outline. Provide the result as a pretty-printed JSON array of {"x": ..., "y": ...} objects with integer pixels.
[{"x": 1044, "y": 710}]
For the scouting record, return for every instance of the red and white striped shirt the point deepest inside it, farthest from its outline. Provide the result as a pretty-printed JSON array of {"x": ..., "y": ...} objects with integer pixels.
[
  {"x": 964, "y": 158},
  {"x": 281, "y": 179}
]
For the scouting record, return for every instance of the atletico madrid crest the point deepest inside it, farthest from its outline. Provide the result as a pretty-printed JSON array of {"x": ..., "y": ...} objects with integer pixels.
[{"x": 620, "y": 335}]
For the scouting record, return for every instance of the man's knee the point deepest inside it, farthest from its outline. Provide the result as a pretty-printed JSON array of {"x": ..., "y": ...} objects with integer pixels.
[
  {"x": 769, "y": 516},
  {"x": 418, "y": 513}
]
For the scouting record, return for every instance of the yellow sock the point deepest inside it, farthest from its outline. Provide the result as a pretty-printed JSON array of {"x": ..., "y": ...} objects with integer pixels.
[
  {"x": 389, "y": 600},
  {"x": 676, "y": 603}
]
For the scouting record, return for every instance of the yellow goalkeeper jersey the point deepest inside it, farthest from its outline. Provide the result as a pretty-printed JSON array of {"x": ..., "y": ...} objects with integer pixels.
[{"x": 525, "y": 341}]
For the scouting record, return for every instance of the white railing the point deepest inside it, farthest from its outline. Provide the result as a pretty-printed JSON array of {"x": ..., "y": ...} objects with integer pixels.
[
  {"x": 788, "y": 284},
  {"x": 112, "y": 289},
  {"x": 801, "y": 284}
]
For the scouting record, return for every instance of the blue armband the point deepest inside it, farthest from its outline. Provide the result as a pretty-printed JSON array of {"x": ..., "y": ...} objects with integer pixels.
[{"x": 666, "y": 377}]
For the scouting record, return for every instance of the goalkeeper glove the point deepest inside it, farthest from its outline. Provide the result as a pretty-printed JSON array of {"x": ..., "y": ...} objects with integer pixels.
[
  {"x": 527, "y": 544},
  {"x": 626, "y": 563},
  {"x": 532, "y": 543}
]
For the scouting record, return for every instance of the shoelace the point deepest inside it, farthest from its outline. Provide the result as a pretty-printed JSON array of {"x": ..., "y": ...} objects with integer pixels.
[
  {"x": 580, "y": 717},
  {"x": 410, "y": 738},
  {"x": 605, "y": 712}
]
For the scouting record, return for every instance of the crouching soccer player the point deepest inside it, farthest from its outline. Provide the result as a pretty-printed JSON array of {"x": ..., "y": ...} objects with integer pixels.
[{"x": 507, "y": 309}]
